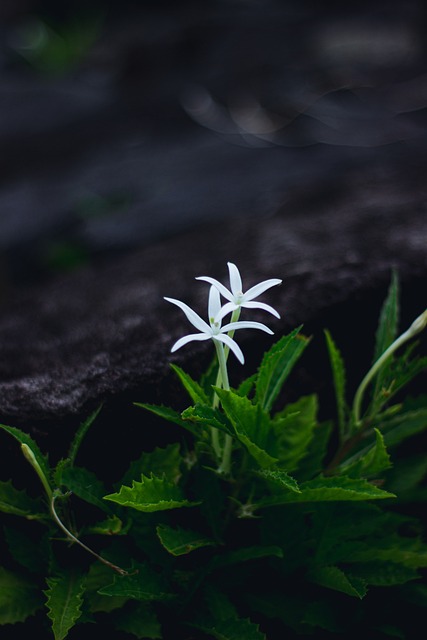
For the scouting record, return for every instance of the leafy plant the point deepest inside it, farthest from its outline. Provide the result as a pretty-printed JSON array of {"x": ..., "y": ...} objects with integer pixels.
[{"x": 263, "y": 522}]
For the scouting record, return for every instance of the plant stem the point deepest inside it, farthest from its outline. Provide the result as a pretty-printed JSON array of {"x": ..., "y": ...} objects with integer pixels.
[
  {"x": 228, "y": 443},
  {"x": 72, "y": 537},
  {"x": 418, "y": 325}
]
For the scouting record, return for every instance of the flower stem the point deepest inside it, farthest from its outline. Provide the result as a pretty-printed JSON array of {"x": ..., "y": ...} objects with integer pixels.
[
  {"x": 418, "y": 325},
  {"x": 228, "y": 443}
]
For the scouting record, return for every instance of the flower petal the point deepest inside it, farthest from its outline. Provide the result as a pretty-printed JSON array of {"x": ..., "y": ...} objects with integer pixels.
[
  {"x": 256, "y": 291},
  {"x": 235, "y": 279},
  {"x": 229, "y": 307},
  {"x": 261, "y": 305},
  {"x": 214, "y": 304},
  {"x": 192, "y": 316},
  {"x": 245, "y": 324},
  {"x": 223, "y": 290},
  {"x": 232, "y": 345},
  {"x": 186, "y": 339}
]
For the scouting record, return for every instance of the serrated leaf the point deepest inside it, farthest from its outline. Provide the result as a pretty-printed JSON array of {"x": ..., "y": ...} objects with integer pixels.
[
  {"x": 140, "y": 621},
  {"x": 276, "y": 366},
  {"x": 162, "y": 462},
  {"x": 142, "y": 583},
  {"x": 151, "y": 494},
  {"x": 86, "y": 485},
  {"x": 170, "y": 415},
  {"x": 24, "y": 438},
  {"x": 389, "y": 318},
  {"x": 246, "y": 386},
  {"x": 251, "y": 425},
  {"x": 179, "y": 542},
  {"x": 64, "y": 601},
  {"x": 205, "y": 416},
  {"x": 326, "y": 490},
  {"x": 19, "y": 597},
  {"x": 294, "y": 429},
  {"x": 194, "y": 390},
  {"x": 18, "y": 503},
  {"x": 80, "y": 434},
  {"x": 279, "y": 479},
  {"x": 335, "y": 578},
  {"x": 368, "y": 463},
  {"x": 339, "y": 377},
  {"x": 232, "y": 629}
]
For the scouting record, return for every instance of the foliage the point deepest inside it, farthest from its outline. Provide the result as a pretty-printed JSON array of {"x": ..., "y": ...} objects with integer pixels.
[{"x": 307, "y": 532}]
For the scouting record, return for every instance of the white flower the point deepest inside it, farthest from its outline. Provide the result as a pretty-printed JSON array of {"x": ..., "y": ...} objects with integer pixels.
[
  {"x": 235, "y": 295},
  {"x": 214, "y": 330}
]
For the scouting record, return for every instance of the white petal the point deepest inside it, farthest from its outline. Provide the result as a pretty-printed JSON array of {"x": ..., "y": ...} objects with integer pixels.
[
  {"x": 232, "y": 326},
  {"x": 192, "y": 316},
  {"x": 235, "y": 279},
  {"x": 260, "y": 305},
  {"x": 233, "y": 346},
  {"x": 256, "y": 291},
  {"x": 214, "y": 304},
  {"x": 229, "y": 307},
  {"x": 186, "y": 339},
  {"x": 223, "y": 290}
]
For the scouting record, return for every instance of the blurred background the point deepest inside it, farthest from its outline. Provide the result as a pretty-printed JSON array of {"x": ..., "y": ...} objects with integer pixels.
[{"x": 122, "y": 122}]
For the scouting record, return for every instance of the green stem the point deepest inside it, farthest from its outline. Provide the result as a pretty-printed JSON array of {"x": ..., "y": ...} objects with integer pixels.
[
  {"x": 219, "y": 383},
  {"x": 72, "y": 537},
  {"x": 228, "y": 443},
  {"x": 418, "y": 325}
]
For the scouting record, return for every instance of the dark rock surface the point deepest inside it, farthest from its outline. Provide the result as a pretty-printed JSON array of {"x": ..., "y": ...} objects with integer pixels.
[
  {"x": 287, "y": 138},
  {"x": 104, "y": 330}
]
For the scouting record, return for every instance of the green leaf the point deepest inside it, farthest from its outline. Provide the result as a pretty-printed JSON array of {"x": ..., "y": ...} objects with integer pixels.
[
  {"x": 312, "y": 463},
  {"x": 24, "y": 438},
  {"x": 18, "y": 502},
  {"x": 383, "y": 574},
  {"x": 64, "y": 601},
  {"x": 403, "y": 426},
  {"x": 276, "y": 366},
  {"x": 19, "y": 597},
  {"x": 99, "y": 576},
  {"x": 251, "y": 425},
  {"x": 294, "y": 428},
  {"x": 80, "y": 434},
  {"x": 85, "y": 485},
  {"x": 195, "y": 391},
  {"x": 326, "y": 490},
  {"x": 179, "y": 542},
  {"x": 232, "y": 629},
  {"x": 246, "y": 554},
  {"x": 335, "y": 578},
  {"x": 387, "y": 330},
  {"x": 170, "y": 415},
  {"x": 339, "y": 376},
  {"x": 111, "y": 526},
  {"x": 246, "y": 386},
  {"x": 370, "y": 462},
  {"x": 140, "y": 621},
  {"x": 151, "y": 494},
  {"x": 140, "y": 584},
  {"x": 279, "y": 479},
  {"x": 163, "y": 462},
  {"x": 30, "y": 553},
  {"x": 205, "y": 416}
]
